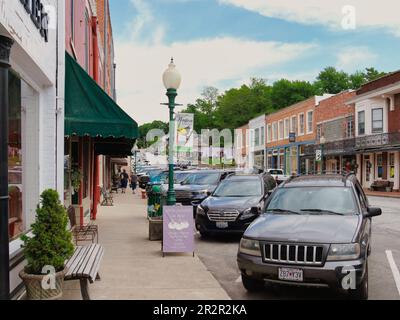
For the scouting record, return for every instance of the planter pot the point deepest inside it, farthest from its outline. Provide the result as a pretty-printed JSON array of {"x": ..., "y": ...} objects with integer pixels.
[
  {"x": 34, "y": 289},
  {"x": 388, "y": 189},
  {"x": 156, "y": 229}
]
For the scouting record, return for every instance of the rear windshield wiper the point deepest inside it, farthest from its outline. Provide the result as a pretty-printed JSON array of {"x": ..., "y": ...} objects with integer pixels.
[
  {"x": 283, "y": 211},
  {"x": 323, "y": 211}
]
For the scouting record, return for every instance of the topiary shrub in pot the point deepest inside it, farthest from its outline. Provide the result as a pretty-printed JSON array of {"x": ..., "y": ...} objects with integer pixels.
[{"x": 48, "y": 249}]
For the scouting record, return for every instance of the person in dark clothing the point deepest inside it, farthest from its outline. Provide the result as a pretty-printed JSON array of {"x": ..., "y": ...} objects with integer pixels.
[
  {"x": 134, "y": 182},
  {"x": 124, "y": 181}
]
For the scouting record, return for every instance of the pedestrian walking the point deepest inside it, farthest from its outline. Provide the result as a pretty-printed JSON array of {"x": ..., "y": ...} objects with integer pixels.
[
  {"x": 124, "y": 181},
  {"x": 134, "y": 182}
]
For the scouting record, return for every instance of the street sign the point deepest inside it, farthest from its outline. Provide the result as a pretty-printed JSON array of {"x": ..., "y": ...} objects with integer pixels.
[{"x": 318, "y": 155}]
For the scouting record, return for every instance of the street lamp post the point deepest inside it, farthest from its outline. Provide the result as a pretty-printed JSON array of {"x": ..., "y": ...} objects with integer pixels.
[
  {"x": 322, "y": 143},
  {"x": 172, "y": 81},
  {"x": 5, "y": 49}
]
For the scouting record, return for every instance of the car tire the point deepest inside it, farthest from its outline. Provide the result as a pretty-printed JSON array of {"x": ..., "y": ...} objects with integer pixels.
[
  {"x": 362, "y": 292},
  {"x": 252, "y": 285}
]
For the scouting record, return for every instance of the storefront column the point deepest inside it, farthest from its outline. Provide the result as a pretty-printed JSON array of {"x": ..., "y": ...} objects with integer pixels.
[
  {"x": 397, "y": 171},
  {"x": 5, "y": 49},
  {"x": 360, "y": 167}
]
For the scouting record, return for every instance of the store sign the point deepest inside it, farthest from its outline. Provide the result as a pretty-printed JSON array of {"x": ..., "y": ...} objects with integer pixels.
[
  {"x": 38, "y": 15},
  {"x": 292, "y": 137},
  {"x": 178, "y": 229}
]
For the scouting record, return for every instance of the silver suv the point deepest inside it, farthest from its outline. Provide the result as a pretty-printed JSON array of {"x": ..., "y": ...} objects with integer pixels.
[{"x": 316, "y": 232}]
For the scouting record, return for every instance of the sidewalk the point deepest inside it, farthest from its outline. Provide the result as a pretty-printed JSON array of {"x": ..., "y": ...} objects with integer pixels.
[
  {"x": 395, "y": 195},
  {"x": 133, "y": 267}
]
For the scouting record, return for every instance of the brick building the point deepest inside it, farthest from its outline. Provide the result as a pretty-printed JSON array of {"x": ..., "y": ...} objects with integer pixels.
[
  {"x": 335, "y": 134},
  {"x": 289, "y": 132},
  {"x": 98, "y": 132},
  {"x": 377, "y": 127}
]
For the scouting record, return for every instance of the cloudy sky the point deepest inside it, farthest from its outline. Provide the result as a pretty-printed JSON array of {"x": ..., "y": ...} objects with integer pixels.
[{"x": 224, "y": 43}]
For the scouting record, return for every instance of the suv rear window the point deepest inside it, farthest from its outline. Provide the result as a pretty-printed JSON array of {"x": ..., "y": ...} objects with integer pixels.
[{"x": 313, "y": 200}]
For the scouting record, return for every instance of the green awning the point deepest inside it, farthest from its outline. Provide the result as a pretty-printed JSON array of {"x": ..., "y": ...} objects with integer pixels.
[{"x": 89, "y": 111}]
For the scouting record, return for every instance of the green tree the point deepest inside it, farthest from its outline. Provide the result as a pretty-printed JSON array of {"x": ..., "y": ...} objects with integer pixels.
[
  {"x": 285, "y": 93},
  {"x": 332, "y": 81},
  {"x": 146, "y": 128}
]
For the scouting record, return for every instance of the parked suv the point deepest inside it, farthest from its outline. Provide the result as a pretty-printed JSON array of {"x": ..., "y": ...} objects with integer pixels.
[
  {"x": 235, "y": 204},
  {"x": 198, "y": 186},
  {"x": 315, "y": 231}
]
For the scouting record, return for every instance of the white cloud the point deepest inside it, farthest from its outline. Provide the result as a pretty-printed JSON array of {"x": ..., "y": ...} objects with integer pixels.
[
  {"x": 143, "y": 57},
  {"x": 369, "y": 13},
  {"x": 202, "y": 63},
  {"x": 351, "y": 59}
]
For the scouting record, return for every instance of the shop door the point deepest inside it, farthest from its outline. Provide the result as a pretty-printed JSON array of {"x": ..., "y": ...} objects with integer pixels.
[{"x": 368, "y": 175}]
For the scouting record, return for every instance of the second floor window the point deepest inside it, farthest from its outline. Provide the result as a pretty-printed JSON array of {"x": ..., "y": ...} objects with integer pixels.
[
  {"x": 281, "y": 130},
  {"x": 350, "y": 127},
  {"x": 361, "y": 123},
  {"x": 287, "y": 129},
  {"x": 377, "y": 120},
  {"x": 293, "y": 126},
  {"x": 301, "y": 124},
  {"x": 275, "y": 131},
  {"x": 310, "y": 122},
  {"x": 257, "y": 137},
  {"x": 262, "y": 135}
]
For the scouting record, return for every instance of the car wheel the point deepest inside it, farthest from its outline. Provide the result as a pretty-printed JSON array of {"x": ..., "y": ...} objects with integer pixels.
[
  {"x": 252, "y": 285},
  {"x": 361, "y": 293}
]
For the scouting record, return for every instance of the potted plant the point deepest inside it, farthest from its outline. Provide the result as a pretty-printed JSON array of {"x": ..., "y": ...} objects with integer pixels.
[
  {"x": 76, "y": 178},
  {"x": 47, "y": 250}
]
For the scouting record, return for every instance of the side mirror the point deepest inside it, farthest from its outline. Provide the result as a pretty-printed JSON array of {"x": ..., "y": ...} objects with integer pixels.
[
  {"x": 255, "y": 211},
  {"x": 373, "y": 212}
]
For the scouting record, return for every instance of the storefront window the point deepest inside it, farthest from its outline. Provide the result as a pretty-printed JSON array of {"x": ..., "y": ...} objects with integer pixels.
[
  {"x": 16, "y": 221},
  {"x": 67, "y": 174}
]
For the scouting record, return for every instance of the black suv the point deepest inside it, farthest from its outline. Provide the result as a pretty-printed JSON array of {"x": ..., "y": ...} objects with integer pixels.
[
  {"x": 235, "y": 204},
  {"x": 315, "y": 231},
  {"x": 198, "y": 186}
]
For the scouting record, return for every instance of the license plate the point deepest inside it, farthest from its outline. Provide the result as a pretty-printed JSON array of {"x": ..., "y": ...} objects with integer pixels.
[
  {"x": 222, "y": 225},
  {"x": 295, "y": 275}
]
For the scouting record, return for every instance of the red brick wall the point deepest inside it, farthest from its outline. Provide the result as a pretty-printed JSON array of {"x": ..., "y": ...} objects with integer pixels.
[
  {"x": 295, "y": 110},
  {"x": 394, "y": 116},
  {"x": 335, "y": 107}
]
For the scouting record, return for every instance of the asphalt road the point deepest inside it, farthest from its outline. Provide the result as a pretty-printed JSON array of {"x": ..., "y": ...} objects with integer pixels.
[{"x": 219, "y": 255}]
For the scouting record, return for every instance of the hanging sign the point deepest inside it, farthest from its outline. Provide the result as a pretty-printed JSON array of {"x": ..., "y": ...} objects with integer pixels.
[
  {"x": 178, "y": 229},
  {"x": 318, "y": 155}
]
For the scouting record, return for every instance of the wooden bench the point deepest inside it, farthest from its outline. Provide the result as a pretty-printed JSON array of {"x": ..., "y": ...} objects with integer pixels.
[
  {"x": 382, "y": 185},
  {"x": 84, "y": 266},
  {"x": 108, "y": 199},
  {"x": 84, "y": 233}
]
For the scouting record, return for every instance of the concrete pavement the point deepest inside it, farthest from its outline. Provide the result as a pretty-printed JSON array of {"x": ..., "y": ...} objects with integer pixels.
[{"x": 133, "y": 267}]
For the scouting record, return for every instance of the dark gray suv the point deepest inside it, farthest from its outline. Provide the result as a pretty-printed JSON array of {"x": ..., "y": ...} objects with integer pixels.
[{"x": 316, "y": 232}]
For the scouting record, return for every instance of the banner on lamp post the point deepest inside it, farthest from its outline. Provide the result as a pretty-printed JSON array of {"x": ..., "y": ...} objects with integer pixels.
[{"x": 184, "y": 126}]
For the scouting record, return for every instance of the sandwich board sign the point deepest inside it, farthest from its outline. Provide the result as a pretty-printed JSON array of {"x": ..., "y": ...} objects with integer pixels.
[{"x": 178, "y": 229}]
